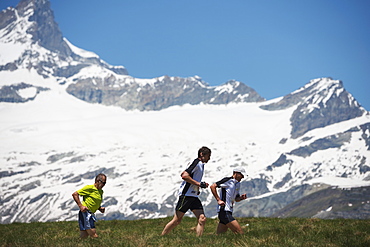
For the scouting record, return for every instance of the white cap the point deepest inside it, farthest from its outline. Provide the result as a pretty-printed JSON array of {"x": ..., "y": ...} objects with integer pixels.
[{"x": 239, "y": 169}]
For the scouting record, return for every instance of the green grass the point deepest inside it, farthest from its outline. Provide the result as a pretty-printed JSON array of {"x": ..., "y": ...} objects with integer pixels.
[{"x": 259, "y": 232}]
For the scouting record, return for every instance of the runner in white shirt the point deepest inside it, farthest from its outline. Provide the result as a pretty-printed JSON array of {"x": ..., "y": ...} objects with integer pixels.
[
  {"x": 189, "y": 192},
  {"x": 229, "y": 193}
]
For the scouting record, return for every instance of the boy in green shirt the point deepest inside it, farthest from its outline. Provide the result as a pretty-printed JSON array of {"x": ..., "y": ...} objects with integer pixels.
[{"x": 92, "y": 198}]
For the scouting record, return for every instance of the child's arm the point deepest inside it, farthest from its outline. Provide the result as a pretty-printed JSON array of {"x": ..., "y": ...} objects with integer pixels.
[{"x": 76, "y": 197}]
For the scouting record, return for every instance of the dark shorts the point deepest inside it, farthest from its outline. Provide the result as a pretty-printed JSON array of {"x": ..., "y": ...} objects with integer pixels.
[
  {"x": 86, "y": 220},
  {"x": 225, "y": 217},
  {"x": 188, "y": 202}
]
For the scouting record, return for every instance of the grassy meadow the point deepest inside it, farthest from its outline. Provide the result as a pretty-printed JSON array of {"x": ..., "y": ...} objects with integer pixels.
[{"x": 258, "y": 232}]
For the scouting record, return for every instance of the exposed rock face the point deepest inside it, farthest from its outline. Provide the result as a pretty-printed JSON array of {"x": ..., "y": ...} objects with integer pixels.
[
  {"x": 44, "y": 30},
  {"x": 365, "y": 128},
  {"x": 163, "y": 93},
  {"x": 13, "y": 94},
  {"x": 333, "y": 141}
]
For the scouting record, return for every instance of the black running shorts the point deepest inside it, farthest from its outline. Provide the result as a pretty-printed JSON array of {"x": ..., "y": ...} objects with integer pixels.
[
  {"x": 188, "y": 202},
  {"x": 225, "y": 217}
]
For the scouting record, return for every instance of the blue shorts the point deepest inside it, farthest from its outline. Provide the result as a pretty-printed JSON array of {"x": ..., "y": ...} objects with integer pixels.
[
  {"x": 225, "y": 217},
  {"x": 86, "y": 220}
]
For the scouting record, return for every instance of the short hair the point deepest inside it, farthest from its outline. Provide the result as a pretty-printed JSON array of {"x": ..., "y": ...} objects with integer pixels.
[
  {"x": 99, "y": 177},
  {"x": 204, "y": 150}
]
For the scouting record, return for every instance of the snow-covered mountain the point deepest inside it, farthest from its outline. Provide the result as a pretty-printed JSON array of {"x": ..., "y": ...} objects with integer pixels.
[
  {"x": 66, "y": 115},
  {"x": 30, "y": 39}
]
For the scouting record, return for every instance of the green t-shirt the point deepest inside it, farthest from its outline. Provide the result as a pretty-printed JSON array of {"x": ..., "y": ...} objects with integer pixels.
[{"x": 92, "y": 197}]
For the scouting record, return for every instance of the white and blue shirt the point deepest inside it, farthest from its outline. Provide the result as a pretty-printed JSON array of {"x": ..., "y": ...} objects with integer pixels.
[
  {"x": 229, "y": 190},
  {"x": 195, "y": 170}
]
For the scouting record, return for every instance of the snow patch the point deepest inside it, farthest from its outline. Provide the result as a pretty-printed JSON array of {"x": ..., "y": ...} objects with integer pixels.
[
  {"x": 27, "y": 93},
  {"x": 79, "y": 51}
]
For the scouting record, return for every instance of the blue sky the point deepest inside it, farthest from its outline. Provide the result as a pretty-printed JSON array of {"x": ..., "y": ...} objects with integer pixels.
[{"x": 272, "y": 46}]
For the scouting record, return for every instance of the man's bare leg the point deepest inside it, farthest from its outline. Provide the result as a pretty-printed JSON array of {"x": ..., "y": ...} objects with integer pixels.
[
  {"x": 235, "y": 227},
  {"x": 201, "y": 221},
  {"x": 173, "y": 223},
  {"x": 221, "y": 228}
]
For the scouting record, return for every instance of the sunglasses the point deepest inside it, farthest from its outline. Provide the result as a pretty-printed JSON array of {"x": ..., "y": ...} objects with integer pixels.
[{"x": 102, "y": 182}]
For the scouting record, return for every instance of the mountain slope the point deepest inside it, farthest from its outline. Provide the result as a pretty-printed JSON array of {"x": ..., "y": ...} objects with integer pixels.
[
  {"x": 331, "y": 203},
  {"x": 55, "y": 144},
  {"x": 34, "y": 40}
]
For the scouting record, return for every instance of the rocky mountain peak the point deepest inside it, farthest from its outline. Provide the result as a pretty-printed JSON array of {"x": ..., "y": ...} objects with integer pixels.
[
  {"x": 327, "y": 103},
  {"x": 40, "y": 44},
  {"x": 26, "y": 7},
  {"x": 319, "y": 90},
  {"x": 319, "y": 103},
  {"x": 320, "y": 86},
  {"x": 35, "y": 20},
  {"x": 44, "y": 29}
]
